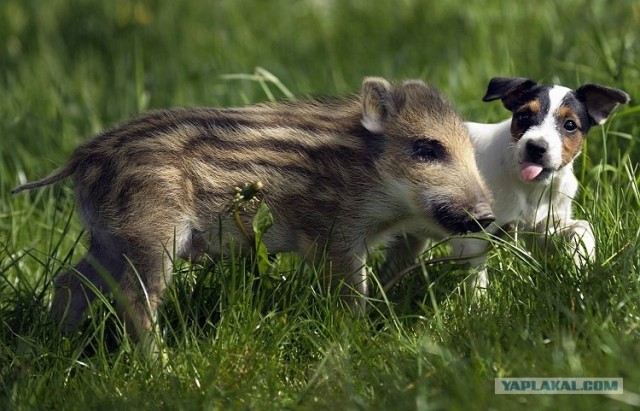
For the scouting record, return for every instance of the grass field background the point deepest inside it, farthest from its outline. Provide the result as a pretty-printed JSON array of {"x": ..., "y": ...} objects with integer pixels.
[{"x": 235, "y": 340}]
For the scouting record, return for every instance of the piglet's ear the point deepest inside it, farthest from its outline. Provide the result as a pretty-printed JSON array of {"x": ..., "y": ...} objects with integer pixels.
[
  {"x": 509, "y": 90},
  {"x": 600, "y": 100},
  {"x": 377, "y": 103}
]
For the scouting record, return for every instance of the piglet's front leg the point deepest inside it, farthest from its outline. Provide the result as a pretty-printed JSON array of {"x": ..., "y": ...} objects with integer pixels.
[{"x": 472, "y": 251}]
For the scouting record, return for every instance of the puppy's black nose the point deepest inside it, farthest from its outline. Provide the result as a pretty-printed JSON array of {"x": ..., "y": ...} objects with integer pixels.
[{"x": 535, "y": 150}]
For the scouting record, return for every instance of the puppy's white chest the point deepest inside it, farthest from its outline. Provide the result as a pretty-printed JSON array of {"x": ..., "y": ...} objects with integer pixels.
[
  {"x": 535, "y": 208},
  {"x": 516, "y": 206}
]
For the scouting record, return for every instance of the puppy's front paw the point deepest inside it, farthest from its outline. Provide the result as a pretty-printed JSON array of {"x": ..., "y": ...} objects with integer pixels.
[{"x": 580, "y": 236}]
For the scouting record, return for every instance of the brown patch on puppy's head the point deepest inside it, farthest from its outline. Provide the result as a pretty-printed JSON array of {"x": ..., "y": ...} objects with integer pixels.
[
  {"x": 533, "y": 106},
  {"x": 526, "y": 115},
  {"x": 572, "y": 131}
]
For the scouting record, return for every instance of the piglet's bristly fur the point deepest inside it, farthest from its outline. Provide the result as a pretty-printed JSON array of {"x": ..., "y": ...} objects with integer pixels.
[{"x": 339, "y": 175}]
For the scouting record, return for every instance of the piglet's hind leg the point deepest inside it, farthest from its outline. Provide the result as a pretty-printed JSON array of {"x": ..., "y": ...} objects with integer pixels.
[{"x": 76, "y": 289}]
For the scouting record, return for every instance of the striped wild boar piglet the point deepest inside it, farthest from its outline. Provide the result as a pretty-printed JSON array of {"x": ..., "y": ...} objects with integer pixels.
[{"x": 339, "y": 176}]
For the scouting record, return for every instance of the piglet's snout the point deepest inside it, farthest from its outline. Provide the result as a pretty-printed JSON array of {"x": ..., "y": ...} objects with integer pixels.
[{"x": 480, "y": 217}]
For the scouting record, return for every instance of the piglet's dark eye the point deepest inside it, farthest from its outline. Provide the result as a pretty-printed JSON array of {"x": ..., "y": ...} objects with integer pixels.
[
  {"x": 570, "y": 126},
  {"x": 427, "y": 150}
]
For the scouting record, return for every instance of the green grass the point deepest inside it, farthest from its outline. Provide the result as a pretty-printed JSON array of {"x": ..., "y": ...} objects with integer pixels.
[{"x": 237, "y": 340}]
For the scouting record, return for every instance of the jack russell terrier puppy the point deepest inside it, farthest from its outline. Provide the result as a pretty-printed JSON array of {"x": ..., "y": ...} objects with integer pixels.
[{"x": 527, "y": 164}]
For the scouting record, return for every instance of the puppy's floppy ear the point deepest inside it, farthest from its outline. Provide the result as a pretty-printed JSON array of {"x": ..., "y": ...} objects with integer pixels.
[
  {"x": 509, "y": 90},
  {"x": 600, "y": 100},
  {"x": 377, "y": 103}
]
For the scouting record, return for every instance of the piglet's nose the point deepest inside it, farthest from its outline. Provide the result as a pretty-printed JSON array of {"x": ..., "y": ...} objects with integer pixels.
[{"x": 482, "y": 216}]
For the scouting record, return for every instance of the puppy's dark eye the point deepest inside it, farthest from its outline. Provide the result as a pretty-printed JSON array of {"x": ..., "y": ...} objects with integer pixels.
[
  {"x": 427, "y": 150},
  {"x": 570, "y": 126},
  {"x": 523, "y": 118}
]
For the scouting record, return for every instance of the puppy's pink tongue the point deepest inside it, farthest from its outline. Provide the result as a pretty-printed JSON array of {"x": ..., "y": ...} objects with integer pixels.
[{"x": 529, "y": 171}]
